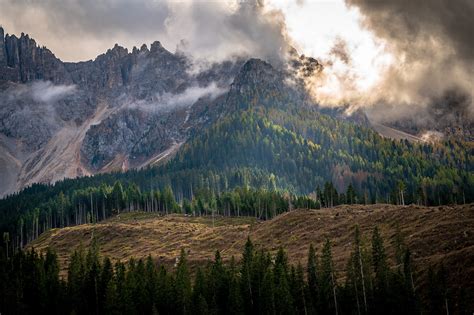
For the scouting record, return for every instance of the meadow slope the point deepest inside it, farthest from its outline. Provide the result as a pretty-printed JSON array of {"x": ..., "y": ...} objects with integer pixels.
[{"x": 435, "y": 235}]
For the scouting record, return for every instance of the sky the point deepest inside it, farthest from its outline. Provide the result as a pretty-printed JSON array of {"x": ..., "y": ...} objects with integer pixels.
[
  {"x": 80, "y": 30},
  {"x": 401, "y": 55}
]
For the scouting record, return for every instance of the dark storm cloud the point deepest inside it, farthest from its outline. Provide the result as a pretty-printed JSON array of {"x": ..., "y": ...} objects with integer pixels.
[
  {"x": 433, "y": 44},
  {"x": 405, "y": 21}
]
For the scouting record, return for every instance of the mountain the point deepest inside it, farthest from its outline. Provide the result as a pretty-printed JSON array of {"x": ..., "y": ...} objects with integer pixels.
[
  {"x": 447, "y": 116},
  {"x": 154, "y": 131},
  {"x": 147, "y": 124},
  {"x": 122, "y": 110}
]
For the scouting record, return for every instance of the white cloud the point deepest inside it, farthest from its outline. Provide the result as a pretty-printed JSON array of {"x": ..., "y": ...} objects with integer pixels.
[
  {"x": 170, "y": 101},
  {"x": 47, "y": 92}
]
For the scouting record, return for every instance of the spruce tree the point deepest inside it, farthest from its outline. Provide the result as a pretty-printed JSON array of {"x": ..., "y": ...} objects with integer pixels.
[
  {"x": 235, "y": 298},
  {"x": 248, "y": 293},
  {"x": 182, "y": 285},
  {"x": 380, "y": 268},
  {"x": 312, "y": 275},
  {"x": 76, "y": 280},
  {"x": 328, "y": 281},
  {"x": 282, "y": 295},
  {"x": 198, "y": 296},
  {"x": 106, "y": 277}
]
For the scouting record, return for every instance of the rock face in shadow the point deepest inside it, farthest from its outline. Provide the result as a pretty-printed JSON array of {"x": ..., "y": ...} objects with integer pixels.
[
  {"x": 63, "y": 119},
  {"x": 124, "y": 109}
]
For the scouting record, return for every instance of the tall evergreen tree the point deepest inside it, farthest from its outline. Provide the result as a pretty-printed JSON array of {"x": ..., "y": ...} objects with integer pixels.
[
  {"x": 183, "y": 285},
  {"x": 328, "y": 281},
  {"x": 380, "y": 267},
  {"x": 312, "y": 275}
]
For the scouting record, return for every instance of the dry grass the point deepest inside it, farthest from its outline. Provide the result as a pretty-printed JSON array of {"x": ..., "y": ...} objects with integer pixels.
[{"x": 435, "y": 235}]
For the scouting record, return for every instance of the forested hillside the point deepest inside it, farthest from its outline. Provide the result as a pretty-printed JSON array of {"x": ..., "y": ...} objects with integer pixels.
[
  {"x": 254, "y": 282},
  {"x": 267, "y": 138}
]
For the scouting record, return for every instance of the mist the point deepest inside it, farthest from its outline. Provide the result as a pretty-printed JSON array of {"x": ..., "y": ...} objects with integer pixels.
[
  {"x": 37, "y": 93},
  {"x": 47, "y": 92},
  {"x": 169, "y": 101}
]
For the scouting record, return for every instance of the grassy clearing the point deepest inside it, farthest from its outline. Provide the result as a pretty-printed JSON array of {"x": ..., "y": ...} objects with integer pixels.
[{"x": 435, "y": 235}]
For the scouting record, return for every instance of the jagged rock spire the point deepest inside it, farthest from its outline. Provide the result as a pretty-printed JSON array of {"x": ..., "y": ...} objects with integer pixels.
[{"x": 3, "y": 53}]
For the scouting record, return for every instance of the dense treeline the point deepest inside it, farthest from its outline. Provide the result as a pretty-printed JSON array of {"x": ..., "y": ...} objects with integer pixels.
[
  {"x": 93, "y": 204},
  {"x": 258, "y": 284}
]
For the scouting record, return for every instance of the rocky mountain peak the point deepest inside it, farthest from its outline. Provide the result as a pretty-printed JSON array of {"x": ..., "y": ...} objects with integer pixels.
[
  {"x": 22, "y": 60},
  {"x": 156, "y": 47},
  {"x": 3, "y": 52},
  {"x": 144, "y": 48},
  {"x": 123, "y": 109},
  {"x": 255, "y": 71},
  {"x": 117, "y": 52}
]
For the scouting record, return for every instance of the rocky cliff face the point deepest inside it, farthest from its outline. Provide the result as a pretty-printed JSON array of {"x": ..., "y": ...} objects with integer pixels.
[
  {"x": 23, "y": 61},
  {"x": 122, "y": 110}
]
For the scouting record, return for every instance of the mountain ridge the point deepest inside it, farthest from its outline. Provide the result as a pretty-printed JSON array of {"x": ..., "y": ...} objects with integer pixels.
[
  {"x": 122, "y": 94},
  {"x": 123, "y": 82},
  {"x": 126, "y": 109}
]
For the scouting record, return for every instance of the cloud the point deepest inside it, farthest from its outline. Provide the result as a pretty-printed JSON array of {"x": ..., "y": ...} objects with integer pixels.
[
  {"x": 47, "y": 92},
  {"x": 213, "y": 30},
  {"x": 82, "y": 29},
  {"x": 409, "y": 54},
  {"x": 39, "y": 92},
  {"x": 431, "y": 43},
  {"x": 188, "y": 97},
  {"x": 216, "y": 31},
  {"x": 340, "y": 51}
]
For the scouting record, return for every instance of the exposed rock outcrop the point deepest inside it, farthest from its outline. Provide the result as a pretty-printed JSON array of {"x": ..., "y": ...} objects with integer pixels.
[
  {"x": 123, "y": 109},
  {"x": 72, "y": 119}
]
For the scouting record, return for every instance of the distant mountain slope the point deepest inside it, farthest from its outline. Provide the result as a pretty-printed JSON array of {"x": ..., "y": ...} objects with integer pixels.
[
  {"x": 283, "y": 143},
  {"x": 391, "y": 133}
]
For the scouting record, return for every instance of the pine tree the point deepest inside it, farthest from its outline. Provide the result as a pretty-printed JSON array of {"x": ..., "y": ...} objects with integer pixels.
[
  {"x": 6, "y": 240},
  {"x": 312, "y": 277},
  {"x": 350, "y": 195},
  {"x": 183, "y": 285},
  {"x": 52, "y": 285},
  {"x": 92, "y": 277},
  {"x": 266, "y": 301},
  {"x": 76, "y": 280},
  {"x": 118, "y": 196},
  {"x": 380, "y": 267},
  {"x": 299, "y": 289},
  {"x": 106, "y": 276},
  {"x": 248, "y": 293},
  {"x": 198, "y": 297},
  {"x": 151, "y": 279},
  {"x": 283, "y": 297},
  {"x": 234, "y": 299},
  {"x": 328, "y": 281}
]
